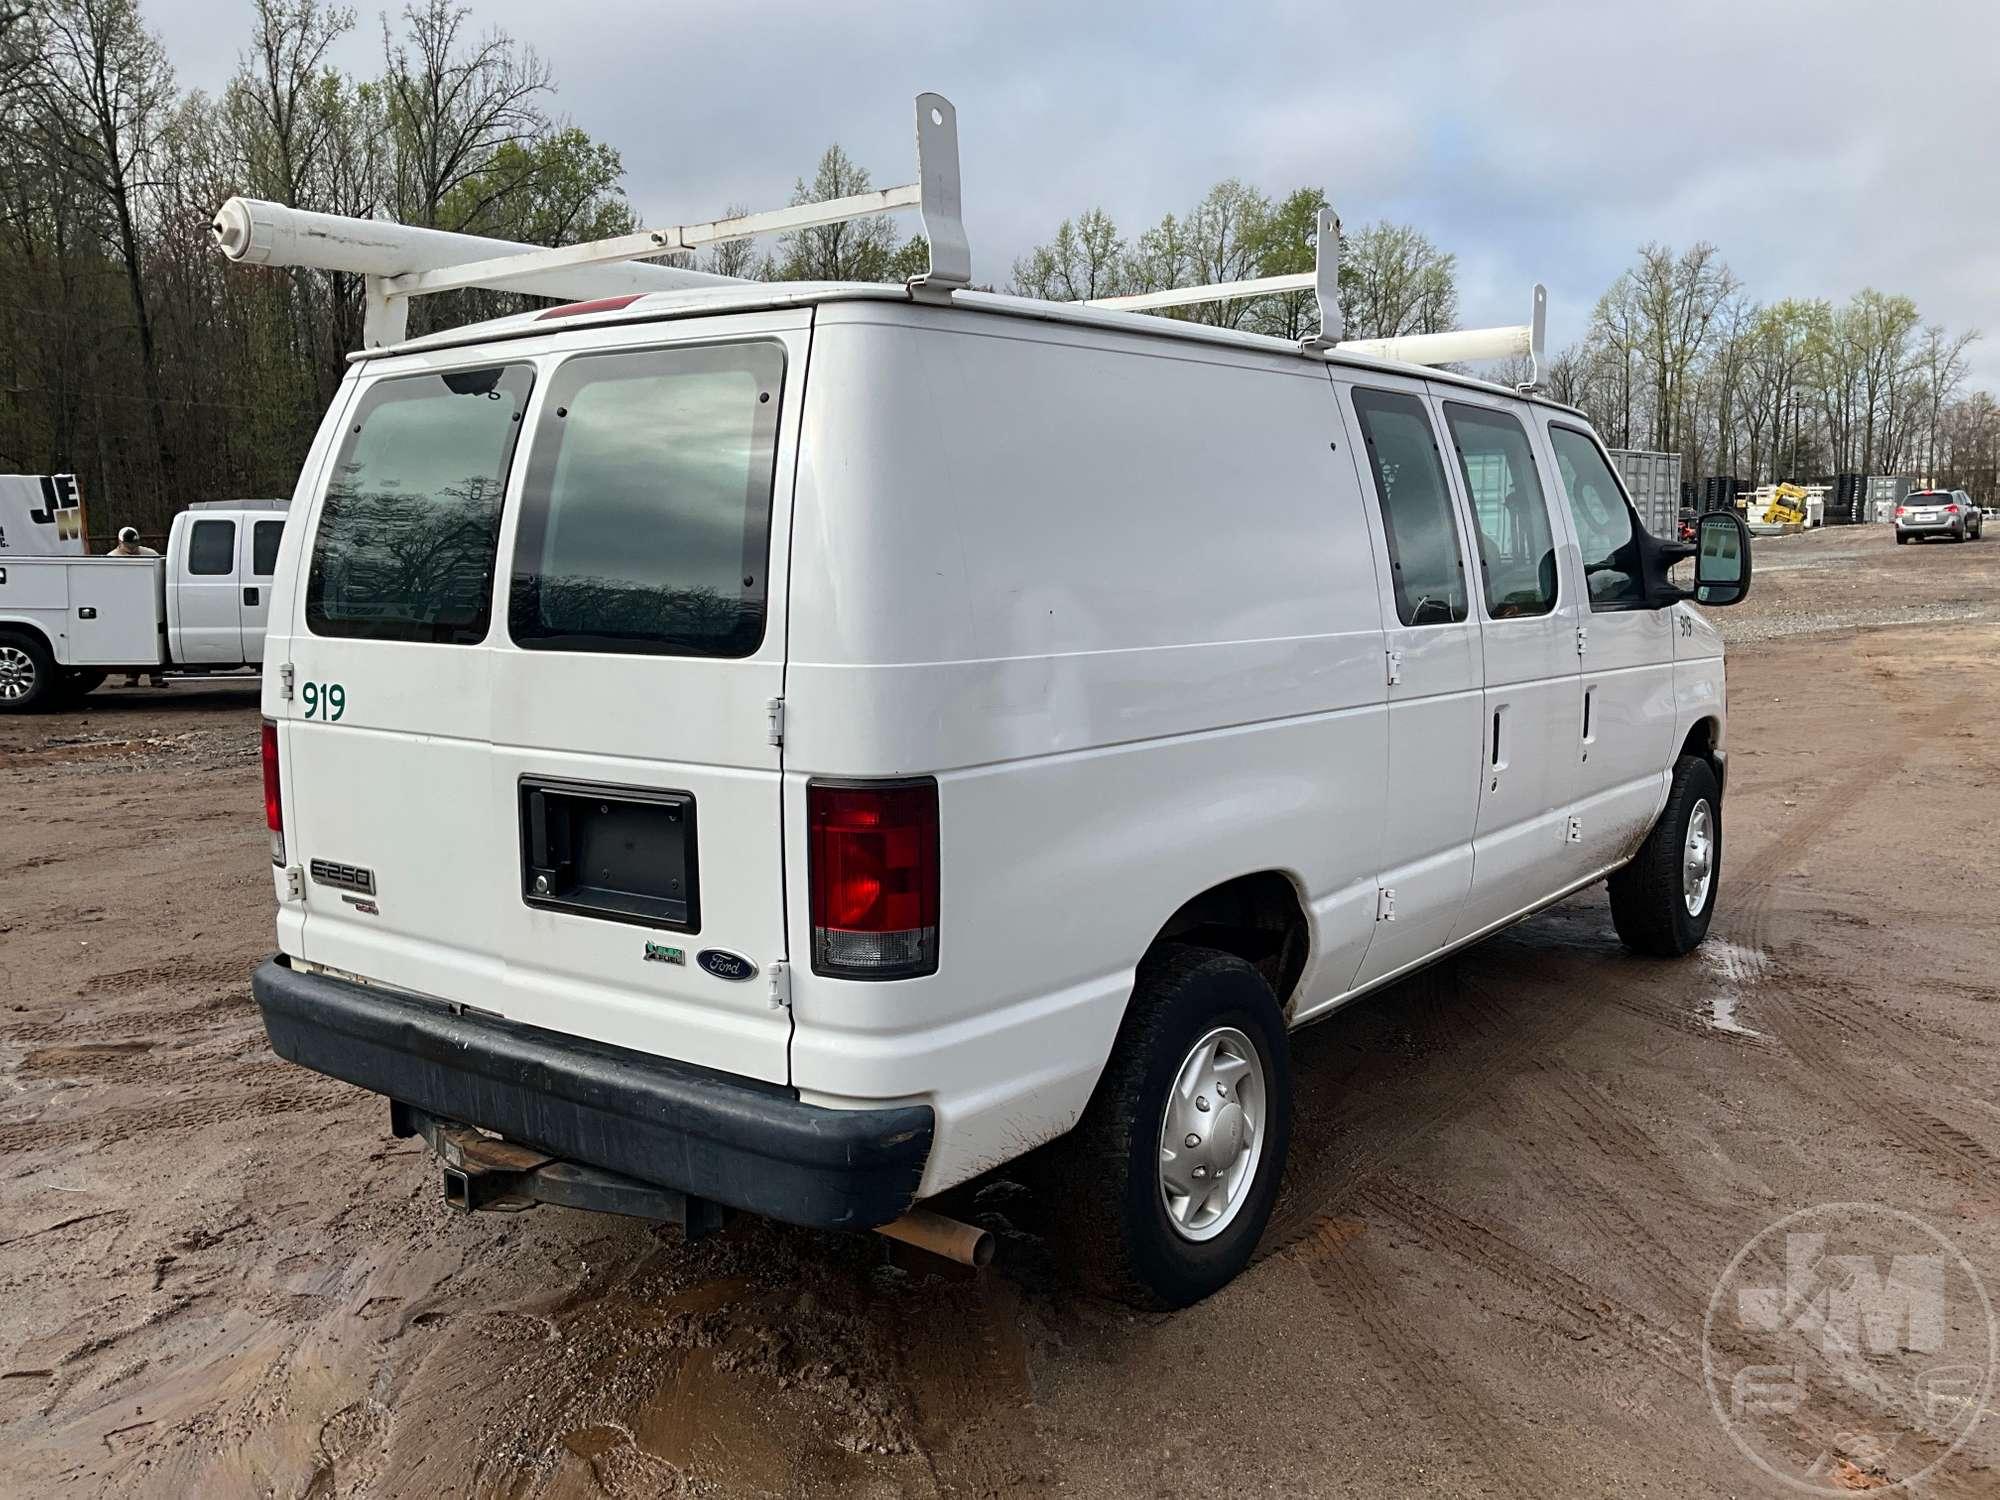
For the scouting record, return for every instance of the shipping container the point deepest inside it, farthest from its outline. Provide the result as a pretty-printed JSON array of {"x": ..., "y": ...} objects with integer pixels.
[
  {"x": 1885, "y": 493},
  {"x": 1654, "y": 480}
]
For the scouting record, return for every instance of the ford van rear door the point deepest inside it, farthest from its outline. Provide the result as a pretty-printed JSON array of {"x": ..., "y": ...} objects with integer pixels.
[{"x": 531, "y": 749}]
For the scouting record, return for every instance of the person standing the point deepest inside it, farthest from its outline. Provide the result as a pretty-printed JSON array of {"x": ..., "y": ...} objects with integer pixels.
[{"x": 128, "y": 546}]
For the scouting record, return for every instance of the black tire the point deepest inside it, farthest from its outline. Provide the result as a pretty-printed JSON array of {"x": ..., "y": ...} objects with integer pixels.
[
  {"x": 29, "y": 678},
  {"x": 1125, "y": 1244},
  {"x": 1900, "y": 539},
  {"x": 1648, "y": 896}
]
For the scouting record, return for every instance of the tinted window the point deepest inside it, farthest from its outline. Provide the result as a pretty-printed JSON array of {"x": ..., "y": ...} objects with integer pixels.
[
  {"x": 1604, "y": 526},
  {"x": 212, "y": 549},
  {"x": 264, "y": 539},
  {"x": 411, "y": 521},
  {"x": 646, "y": 516},
  {"x": 1425, "y": 565},
  {"x": 1517, "y": 549}
]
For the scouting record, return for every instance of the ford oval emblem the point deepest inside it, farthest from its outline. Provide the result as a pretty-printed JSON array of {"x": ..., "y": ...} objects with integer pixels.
[{"x": 726, "y": 965}]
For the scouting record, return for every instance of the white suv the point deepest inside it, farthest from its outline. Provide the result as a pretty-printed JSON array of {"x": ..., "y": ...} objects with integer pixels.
[{"x": 799, "y": 747}]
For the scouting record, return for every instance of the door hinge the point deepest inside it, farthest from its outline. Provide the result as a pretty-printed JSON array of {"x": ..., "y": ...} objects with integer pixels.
[
  {"x": 295, "y": 883},
  {"x": 1385, "y": 904},
  {"x": 781, "y": 984},
  {"x": 1395, "y": 667},
  {"x": 1575, "y": 835},
  {"x": 1582, "y": 639},
  {"x": 285, "y": 675},
  {"x": 775, "y": 712}
]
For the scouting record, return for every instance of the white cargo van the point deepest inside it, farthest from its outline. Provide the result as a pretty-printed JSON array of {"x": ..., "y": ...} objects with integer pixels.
[
  {"x": 66, "y": 623},
  {"x": 797, "y": 747}
]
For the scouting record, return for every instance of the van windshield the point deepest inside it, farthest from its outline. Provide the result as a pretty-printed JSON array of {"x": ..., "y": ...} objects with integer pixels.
[{"x": 411, "y": 521}]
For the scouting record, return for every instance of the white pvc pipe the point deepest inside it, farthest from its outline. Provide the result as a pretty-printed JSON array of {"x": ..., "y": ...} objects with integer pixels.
[
  {"x": 256, "y": 233},
  {"x": 1447, "y": 348}
]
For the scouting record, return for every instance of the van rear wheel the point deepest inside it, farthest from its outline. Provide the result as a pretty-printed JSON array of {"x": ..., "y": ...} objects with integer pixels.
[
  {"x": 27, "y": 673},
  {"x": 1663, "y": 901},
  {"x": 1174, "y": 1169}
]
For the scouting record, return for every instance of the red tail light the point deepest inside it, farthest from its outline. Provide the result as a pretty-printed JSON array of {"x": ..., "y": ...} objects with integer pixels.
[
  {"x": 274, "y": 803},
  {"x": 1951, "y": 510},
  {"x": 872, "y": 861},
  {"x": 1902, "y": 510}
]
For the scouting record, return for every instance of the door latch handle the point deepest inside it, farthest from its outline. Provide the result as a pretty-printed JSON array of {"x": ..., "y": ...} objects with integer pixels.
[
  {"x": 87, "y": 612},
  {"x": 249, "y": 596}
]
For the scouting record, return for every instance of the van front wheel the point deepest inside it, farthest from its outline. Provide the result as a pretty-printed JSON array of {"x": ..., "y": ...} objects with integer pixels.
[
  {"x": 1662, "y": 902},
  {"x": 1175, "y": 1165}
]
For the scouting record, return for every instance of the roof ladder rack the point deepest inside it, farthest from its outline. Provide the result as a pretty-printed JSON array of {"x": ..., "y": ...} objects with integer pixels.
[
  {"x": 1323, "y": 281},
  {"x": 427, "y": 262},
  {"x": 1529, "y": 339},
  {"x": 935, "y": 194}
]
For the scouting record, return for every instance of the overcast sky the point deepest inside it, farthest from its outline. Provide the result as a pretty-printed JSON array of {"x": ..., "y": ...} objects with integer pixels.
[{"x": 1823, "y": 146}]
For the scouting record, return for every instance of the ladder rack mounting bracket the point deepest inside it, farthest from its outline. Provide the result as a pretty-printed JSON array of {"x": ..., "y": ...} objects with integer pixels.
[{"x": 940, "y": 202}]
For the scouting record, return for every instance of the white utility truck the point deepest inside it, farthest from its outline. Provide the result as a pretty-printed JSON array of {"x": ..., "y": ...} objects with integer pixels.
[
  {"x": 66, "y": 623},
  {"x": 797, "y": 747}
]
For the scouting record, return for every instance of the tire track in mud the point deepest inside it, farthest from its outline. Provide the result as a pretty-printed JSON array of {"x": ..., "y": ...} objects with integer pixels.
[
  {"x": 1588, "y": 1311},
  {"x": 963, "y": 1365},
  {"x": 1414, "y": 1386},
  {"x": 1585, "y": 1315},
  {"x": 1807, "y": 1020},
  {"x": 1582, "y": 1113},
  {"x": 1331, "y": 1157}
]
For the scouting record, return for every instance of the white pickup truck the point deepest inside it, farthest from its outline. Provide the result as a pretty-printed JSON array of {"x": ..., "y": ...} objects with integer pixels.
[{"x": 68, "y": 622}]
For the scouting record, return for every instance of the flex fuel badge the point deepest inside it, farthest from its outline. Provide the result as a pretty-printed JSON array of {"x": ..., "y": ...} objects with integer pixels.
[{"x": 660, "y": 953}]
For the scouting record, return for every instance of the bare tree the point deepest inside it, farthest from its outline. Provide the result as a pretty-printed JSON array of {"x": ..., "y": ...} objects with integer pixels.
[
  {"x": 732, "y": 257},
  {"x": 452, "y": 104},
  {"x": 1084, "y": 260},
  {"x": 107, "y": 93},
  {"x": 858, "y": 250},
  {"x": 1941, "y": 361},
  {"x": 1394, "y": 281}
]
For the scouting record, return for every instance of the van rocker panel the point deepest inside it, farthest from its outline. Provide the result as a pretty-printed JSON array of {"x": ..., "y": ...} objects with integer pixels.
[{"x": 737, "y": 1141}]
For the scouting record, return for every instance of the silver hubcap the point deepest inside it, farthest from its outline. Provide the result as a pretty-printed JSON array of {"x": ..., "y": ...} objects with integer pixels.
[
  {"x": 1212, "y": 1135},
  {"x": 1698, "y": 858},
  {"x": 17, "y": 673}
]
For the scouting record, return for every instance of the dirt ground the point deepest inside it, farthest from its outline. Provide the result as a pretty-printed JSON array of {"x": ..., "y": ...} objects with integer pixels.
[{"x": 1515, "y": 1179}]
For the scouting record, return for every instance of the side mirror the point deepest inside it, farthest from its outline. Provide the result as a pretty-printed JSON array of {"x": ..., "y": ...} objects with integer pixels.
[{"x": 1722, "y": 558}]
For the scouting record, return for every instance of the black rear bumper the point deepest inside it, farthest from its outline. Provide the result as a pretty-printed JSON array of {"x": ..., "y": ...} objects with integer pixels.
[{"x": 732, "y": 1140}]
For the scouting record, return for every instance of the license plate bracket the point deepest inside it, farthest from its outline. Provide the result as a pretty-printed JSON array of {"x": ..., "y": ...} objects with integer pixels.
[{"x": 624, "y": 854}]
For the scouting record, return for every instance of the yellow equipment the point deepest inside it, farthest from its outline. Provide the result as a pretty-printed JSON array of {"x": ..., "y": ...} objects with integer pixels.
[{"x": 1787, "y": 507}]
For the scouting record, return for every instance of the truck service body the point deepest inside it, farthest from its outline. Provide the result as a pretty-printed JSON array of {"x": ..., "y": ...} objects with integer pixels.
[{"x": 66, "y": 622}]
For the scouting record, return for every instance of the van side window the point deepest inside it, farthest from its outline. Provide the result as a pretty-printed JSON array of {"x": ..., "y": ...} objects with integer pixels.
[
  {"x": 1424, "y": 560},
  {"x": 646, "y": 515},
  {"x": 264, "y": 539},
  {"x": 1517, "y": 548},
  {"x": 410, "y": 526},
  {"x": 212, "y": 549},
  {"x": 1603, "y": 516}
]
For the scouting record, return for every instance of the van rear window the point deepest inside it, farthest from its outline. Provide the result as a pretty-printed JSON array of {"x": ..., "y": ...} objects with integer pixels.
[
  {"x": 646, "y": 514},
  {"x": 411, "y": 521}
]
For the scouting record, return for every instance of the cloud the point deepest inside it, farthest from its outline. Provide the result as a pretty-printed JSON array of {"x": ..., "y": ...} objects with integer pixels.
[{"x": 1824, "y": 145}]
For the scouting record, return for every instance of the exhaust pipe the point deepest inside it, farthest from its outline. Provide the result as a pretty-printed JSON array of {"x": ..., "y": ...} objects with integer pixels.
[{"x": 967, "y": 1244}]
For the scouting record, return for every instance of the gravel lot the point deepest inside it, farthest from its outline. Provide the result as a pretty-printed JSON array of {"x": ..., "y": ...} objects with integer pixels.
[{"x": 1516, "y": 1179}]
